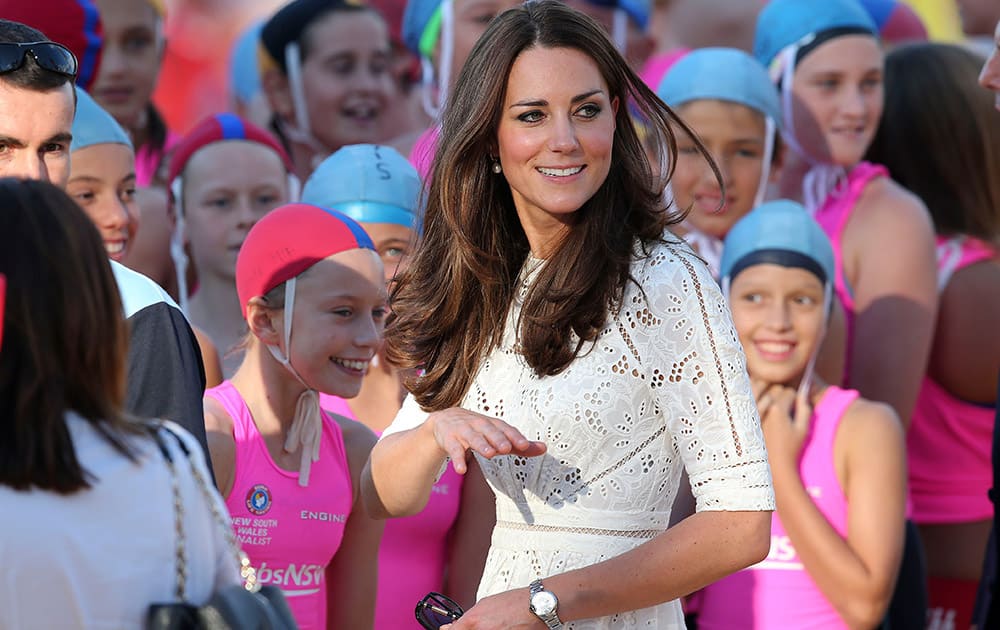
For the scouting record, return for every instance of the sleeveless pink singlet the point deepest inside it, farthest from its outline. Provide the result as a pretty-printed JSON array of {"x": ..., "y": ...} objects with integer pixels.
[
  {"x": 778, "y": 592},
  {"x": 290, "y": 533},
  {"x": 948, "y": 444}
]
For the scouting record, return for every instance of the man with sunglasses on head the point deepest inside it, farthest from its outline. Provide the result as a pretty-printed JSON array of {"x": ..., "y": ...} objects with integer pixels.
[
  {"x": 36, "y": 105},
  {"x": 166, "y": 378}
]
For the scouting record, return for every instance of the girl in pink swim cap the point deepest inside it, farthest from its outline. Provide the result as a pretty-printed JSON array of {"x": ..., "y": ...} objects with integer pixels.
[{"x": 312, "y": 291}]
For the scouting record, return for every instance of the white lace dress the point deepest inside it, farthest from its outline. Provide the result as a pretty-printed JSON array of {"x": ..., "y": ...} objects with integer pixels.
[{"x": 664, "y": 387}]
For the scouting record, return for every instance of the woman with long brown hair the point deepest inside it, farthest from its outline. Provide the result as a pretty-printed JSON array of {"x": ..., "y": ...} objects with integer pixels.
[
  {"x": 89, "y": 524},
  {"x": 581, "y": 353}
]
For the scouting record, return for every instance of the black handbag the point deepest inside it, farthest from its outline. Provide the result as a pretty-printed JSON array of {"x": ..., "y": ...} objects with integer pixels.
[{"x": 248, "y": 607}]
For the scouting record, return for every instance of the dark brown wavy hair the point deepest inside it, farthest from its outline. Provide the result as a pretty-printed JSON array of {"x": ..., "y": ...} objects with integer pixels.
[
  {"x": 940, "y": 137},
  {"x": 64, "y": 339},
  {"x": 450, "y": 305}
]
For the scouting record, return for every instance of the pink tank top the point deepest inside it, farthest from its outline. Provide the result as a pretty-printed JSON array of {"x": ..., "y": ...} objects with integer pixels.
[
  {"x": 778, "y": 592},
  {"x": 290, "y": 533},
  {"x": 414, "y": 549},
  {"x": 422, "y": 153},
  {"x": 948, "y": 444},
  {"x": 833, "y": 216}
]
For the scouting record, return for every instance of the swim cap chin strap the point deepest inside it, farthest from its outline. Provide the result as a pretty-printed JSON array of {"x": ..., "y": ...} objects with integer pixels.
[
  {"x": 300, "y": 131},
  {"x": 177, "y": 253},
  {"x": 307, "y": 424},
  {"x": 440, "y": 28},
  {"x": 822, "y": 178}
]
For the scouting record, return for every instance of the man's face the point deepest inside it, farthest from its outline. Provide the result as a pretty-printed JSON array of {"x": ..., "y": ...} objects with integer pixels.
[{"x": 35, "y": 132}]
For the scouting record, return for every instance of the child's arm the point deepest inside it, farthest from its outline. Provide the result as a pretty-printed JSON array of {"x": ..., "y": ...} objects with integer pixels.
[
  {"x": 221, "y": 445},
  {"x": 890, "y": 256},
  {"x": 352, "y": 575},
  {"x": 469, "y": 539},
  {"x": 857, "y": 574}
]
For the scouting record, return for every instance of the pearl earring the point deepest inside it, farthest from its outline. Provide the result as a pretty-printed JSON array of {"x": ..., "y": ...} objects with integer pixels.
[{"x": 496, "y": 167}]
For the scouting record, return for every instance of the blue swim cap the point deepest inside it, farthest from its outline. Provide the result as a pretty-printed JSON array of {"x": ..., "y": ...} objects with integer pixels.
[
  {"x": 723, "y": 74},
  {"x": 786, "y": 22},
  {"x": 416, "y": 17},
  {"x": 369, "y": 183},
  {"x": 92, "y": 125},
  {"x": 778, "y": 232},
  {"x": 638, "y": 10},
  {"x": 244, "y": 64}
]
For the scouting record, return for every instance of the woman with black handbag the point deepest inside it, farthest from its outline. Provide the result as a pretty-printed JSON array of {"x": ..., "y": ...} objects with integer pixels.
[{"x": 91, "y": 505}]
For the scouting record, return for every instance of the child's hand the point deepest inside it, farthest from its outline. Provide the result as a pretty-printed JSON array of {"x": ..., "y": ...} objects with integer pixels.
[{"x": 785, "y": 418}]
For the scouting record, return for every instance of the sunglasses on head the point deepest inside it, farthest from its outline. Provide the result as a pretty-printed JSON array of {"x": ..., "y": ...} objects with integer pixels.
[
  {"x": 436, "y": 610},
  {"x": 48, "y": 55}
]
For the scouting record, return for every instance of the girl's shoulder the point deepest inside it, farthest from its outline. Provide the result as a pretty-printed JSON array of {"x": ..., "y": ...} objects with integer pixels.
[
  {"x": 884, "y": 201},
  {"x": 869, "y": 424},
  {"x": 358, "y": 439}
]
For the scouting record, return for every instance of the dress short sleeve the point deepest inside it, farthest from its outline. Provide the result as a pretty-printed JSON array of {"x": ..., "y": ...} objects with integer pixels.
[
  {"x": 409, "y": 416},
  {"x": 700, "y": 381}
]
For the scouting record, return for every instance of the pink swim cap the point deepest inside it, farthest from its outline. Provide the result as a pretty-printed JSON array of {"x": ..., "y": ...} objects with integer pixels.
[{"x": 289, "y": 240}]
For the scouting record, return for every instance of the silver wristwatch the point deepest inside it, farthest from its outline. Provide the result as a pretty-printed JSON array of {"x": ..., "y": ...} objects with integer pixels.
[{"x": 544, "y": 605}]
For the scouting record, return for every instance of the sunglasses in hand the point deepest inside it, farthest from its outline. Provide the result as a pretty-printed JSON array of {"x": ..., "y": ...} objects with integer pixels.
[{"x": 436, "y": 610}]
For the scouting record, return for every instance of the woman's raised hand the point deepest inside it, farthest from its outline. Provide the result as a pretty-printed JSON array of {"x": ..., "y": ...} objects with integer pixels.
[{"x": 458, "y": 430}]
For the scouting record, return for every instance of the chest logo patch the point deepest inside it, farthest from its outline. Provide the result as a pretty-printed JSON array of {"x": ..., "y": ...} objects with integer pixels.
[{"x": 259, "y": 499}]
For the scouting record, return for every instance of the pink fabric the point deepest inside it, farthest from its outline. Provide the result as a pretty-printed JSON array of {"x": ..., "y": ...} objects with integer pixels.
[
  {"x": 656, "y": 67},
  {"x": 147, "y": 161},
  {"x": 422, "y": 153},
  {"x": 778, "y": 593},
  {"x": 414, "y": 549},
  {"x": 833, "y": 216},
  {"x": 948, "y": 444},
  {"x": 290, "y": 533}
]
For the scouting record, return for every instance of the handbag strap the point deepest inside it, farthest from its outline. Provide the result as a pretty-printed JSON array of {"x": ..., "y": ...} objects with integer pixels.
[
  {"x": 247, "y": 572},
  {"x": 180, "y": 550}
]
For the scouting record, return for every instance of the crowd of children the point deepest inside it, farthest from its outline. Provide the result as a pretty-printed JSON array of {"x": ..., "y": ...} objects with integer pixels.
[{"x": 827, "y": 176}]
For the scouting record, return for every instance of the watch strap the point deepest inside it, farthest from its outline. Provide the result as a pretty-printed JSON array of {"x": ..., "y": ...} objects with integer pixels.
[{"x": 551, "y": 620}]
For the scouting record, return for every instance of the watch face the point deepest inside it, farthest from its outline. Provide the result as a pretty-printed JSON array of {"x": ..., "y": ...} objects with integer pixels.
[{"x": 543, "y": 603}]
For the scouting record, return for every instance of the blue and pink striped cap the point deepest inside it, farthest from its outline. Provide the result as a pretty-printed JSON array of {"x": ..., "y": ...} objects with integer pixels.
[{"x": 219, "y": 128}]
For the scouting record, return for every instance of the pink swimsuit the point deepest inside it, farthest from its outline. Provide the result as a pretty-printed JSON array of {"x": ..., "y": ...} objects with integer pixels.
[
  {"x": 778, "y": 593},
  {"x": 147, "y": 161},
  {"x": 422, "y": 153},
  {"x": 833, "y": 216},
  {"x": 290, "y": 533},
  {"x": 948, "y": 444},
  {"x": 414, "y": 549}
]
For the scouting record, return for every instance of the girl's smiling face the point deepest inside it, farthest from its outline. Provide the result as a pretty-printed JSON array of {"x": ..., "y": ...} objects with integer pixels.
[
  {"x": 780, "y": 319},
  {"x": 337, "y": 321},
  {"x": 102, "y": 182},
  {"x": 735, "y": 136},
  {"x": 347, "y": 78}
]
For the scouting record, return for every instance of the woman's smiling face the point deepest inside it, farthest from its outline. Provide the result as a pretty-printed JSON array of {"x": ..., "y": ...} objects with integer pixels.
[{"x": 556, "y": 133}]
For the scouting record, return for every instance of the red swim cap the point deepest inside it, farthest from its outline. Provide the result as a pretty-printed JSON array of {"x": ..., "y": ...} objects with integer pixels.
[
  {"x": 75, "y": 24},
  {"x": 289, "y": 240}
]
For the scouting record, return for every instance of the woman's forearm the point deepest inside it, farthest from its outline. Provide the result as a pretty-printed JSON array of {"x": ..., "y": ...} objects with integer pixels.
[{"x": 697, "y": 551}]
